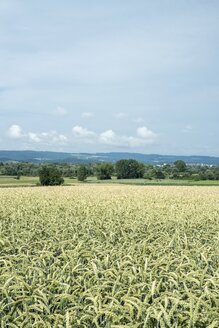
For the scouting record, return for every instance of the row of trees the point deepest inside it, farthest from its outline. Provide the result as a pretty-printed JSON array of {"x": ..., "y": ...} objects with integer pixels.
[{"x": 123, "y": 169}]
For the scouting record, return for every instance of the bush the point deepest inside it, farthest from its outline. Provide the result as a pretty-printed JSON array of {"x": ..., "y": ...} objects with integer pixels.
[
  {"x": 159, "y": 174},
  {"x": 82, "y": 173},
  {"x": 129, "y": 169},
  {"x": 50, "y": 176},
  {"x": 104, "y": 171},
  {"x": 180, "y": 165}
]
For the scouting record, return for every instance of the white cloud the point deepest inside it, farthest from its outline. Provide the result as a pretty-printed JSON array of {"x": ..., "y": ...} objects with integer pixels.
[
  {"x": 87, "y": 115},
  {"x": 60, "y": 111},
  {"x": 81, "y": 132},
  {"x": 144, "y": 133},
  {"x": 139, "y": 120},
  {"x": 109, "y": 138},
  {"x": 61, "y": 138},
  {"x": 15, "y": 132},
  {"x": 51, "y": 137},
  {"x": 44, "y": 138},
  {"x": 120, "y": 115},
  {"x": 138, "y": 142},
  {"x": 144, "y": 136},
  {"x": 34, "y": 137}
]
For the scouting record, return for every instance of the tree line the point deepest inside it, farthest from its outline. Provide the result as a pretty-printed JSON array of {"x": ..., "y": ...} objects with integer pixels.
[{"x": 122, "y": 169}]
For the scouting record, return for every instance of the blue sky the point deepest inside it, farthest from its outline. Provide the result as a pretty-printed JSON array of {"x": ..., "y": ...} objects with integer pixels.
[{"x": 89, "y": 76}]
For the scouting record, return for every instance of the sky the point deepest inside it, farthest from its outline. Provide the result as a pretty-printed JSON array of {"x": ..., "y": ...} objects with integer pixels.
[{"x": 99, "y": 76}]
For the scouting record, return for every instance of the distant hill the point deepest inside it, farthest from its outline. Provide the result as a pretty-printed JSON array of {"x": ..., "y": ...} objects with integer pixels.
[{"x": 59, "y": 157}]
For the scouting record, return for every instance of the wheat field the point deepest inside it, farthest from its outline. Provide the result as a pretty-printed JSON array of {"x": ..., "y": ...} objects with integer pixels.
[{"x": 109, "y": 256}]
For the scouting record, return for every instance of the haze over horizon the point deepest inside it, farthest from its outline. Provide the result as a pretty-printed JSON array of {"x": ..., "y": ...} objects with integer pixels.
[{"x": 118, "y": 76}]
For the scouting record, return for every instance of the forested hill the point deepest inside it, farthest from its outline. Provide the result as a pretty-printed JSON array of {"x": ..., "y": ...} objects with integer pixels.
[{"x": 59, "y": 157}]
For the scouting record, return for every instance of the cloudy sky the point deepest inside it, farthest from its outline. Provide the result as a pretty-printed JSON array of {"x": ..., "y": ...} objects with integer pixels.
[{"x": 89, "y": 76}]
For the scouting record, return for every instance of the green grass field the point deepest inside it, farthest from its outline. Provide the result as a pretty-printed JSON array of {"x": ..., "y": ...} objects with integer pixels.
[
  {"x": 165, "y": 182},
  {"x": 8, "y": 181},
  {"x": 12, "y": 181}
]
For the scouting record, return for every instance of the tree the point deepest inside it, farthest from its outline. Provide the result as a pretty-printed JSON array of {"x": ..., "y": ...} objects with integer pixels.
[
  {"x": 129, "y": 169},
  {"x": 216, "y": 173},
  {"x": 158, "y": 174},
  {"x": 50, "y": 176},
  {"x": 104, "y": 171},
  {"x": 209, "y": 175},
  {"x": 82, "y": 173},
  {"x": 180, "y": 165},
  {"x": 149, "y": 172}
]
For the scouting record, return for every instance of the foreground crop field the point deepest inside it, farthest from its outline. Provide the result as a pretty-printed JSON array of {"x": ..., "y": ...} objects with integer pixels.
[{"x": 109, "y": 256}]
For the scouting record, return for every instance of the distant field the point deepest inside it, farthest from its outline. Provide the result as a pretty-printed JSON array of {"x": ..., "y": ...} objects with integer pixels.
[
  {"x": 12, "y": 181},
  {"x": 32, "y": 181},
  {"x": 110, "y": 256},
  {"x": 164, "y": 182}
]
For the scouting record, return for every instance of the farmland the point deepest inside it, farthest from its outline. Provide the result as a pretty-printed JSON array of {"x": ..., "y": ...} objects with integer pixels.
[
  {"x": 12, "y": 181},
  {"x": 109, "y": 256}
]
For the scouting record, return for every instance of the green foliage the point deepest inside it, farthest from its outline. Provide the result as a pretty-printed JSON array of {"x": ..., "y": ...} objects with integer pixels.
[
  {"x": 158, "y": 174},
  {"x": 129, "y": 169},
  {"x": 173, "y": 171},
  {"x": 104, "y": 171},
  {"x": 209, "y": 175},
  {"x": 82, "y": 173},
  {"x": 180, "y": 165},
  {"x": 50, "y": 176},
  {"x": 149, "y": 171}
]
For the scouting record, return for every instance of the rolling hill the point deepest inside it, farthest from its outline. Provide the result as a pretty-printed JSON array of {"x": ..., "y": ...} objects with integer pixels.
[{"x": 61, "y": 157}]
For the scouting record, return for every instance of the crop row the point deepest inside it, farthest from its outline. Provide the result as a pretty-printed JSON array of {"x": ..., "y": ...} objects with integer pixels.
[{"x": 109, "y": 256}]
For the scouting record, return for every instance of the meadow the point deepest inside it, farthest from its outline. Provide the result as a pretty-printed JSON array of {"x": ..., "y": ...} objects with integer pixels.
[
  {"x": 12, "y": 181},
  {"x": 109, "y": 255}
]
